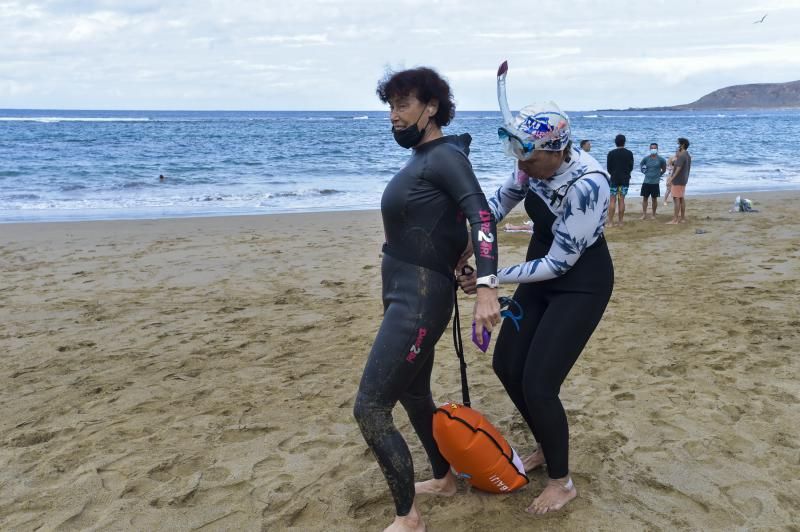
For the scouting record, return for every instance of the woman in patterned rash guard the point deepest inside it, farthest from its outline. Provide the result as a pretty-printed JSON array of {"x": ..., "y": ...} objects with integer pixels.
[{"x": 564, "y": 285}]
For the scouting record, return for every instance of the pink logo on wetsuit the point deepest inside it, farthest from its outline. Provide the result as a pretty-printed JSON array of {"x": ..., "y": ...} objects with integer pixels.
[
  {"x": 485, "y": 235},
  {"x": 417, "y": 347}
]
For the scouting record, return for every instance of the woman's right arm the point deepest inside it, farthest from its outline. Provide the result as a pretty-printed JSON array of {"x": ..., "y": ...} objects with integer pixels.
[{"x": 508, "y": 195}]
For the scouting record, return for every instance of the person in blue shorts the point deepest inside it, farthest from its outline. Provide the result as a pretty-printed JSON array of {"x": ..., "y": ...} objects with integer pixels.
[{"x": 619, "y": 164}]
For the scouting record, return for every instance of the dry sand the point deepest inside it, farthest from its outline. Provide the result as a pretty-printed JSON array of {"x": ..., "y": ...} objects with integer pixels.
[{"x": 200, "y": 373}]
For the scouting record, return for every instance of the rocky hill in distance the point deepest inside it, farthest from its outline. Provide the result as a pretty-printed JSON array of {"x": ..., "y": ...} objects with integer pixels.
[{"x": 751, "y": 96}]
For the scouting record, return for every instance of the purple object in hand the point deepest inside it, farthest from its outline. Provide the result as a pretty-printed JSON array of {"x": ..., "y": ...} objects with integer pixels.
[{"x": 482, "y": 345}]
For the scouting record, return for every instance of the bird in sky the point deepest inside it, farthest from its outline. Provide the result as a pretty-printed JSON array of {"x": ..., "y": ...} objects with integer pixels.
[{"x": 760, "y": 21}]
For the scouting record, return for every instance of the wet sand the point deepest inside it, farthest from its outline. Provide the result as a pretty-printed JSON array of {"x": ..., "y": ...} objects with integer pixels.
[{"x": 199, "y": 374}]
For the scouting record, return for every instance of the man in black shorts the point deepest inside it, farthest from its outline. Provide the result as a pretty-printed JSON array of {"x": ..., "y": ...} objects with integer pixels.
[{"x": 653, "y": 167}]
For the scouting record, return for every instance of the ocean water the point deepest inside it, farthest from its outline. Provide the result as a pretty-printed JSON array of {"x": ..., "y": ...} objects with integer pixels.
[{"x": 82, "y": 165}]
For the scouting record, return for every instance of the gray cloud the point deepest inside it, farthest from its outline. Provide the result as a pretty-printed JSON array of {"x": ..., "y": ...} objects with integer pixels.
[{"x": 328, "y": 54}]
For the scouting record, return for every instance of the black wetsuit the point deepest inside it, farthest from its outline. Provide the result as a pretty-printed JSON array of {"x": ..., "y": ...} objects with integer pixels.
[
  {"x": 564, "y": 288},
  {"x": 425, "y": 208}
]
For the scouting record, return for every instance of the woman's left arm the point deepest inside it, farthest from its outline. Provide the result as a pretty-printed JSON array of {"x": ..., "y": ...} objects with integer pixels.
[{"x": 578, "y": 227}]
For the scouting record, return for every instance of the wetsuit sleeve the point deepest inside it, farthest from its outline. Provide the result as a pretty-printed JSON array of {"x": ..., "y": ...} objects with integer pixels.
[
  {"x": 578, "y": 227},
  {"x": 507, "y": 197},
  {"x": 453, "y": 174}
]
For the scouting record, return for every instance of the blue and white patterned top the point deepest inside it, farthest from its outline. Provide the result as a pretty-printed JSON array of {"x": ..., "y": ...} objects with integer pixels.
[{"x": 578, "y": 196}]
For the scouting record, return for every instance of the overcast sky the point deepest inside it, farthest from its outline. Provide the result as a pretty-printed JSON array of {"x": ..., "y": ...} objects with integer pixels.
[{"x": 328, "y": 54}]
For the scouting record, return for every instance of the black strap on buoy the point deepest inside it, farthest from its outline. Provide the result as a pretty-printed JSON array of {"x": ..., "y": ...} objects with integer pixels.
[{"x": 459, "y": 346}]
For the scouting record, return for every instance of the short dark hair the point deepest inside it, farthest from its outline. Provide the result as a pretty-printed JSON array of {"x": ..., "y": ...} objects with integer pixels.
[
  {"x": 584, "y": 142},
  {"x": 426, "y": 84},
  {"x": 654, "y": 144},
  {"x": 619, "y": 140},
  {"x": 683, "y": 142}
]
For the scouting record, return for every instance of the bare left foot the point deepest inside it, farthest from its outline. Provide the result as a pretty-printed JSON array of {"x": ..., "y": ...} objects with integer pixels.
[
  {"x": 682, "y": 221},
  {"x": 555, "y": 495},
  {"x": 444, "y": 487},
  {"x": 643, "y": 217},
  {"x": 408, "y": 523},
  {"x": 533, "y": 460}
]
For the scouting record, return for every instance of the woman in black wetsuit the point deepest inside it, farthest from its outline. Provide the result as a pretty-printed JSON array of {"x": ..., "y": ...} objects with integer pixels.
[
  {"x": 564, "y": 285},
  {"x": 425, "y": 209}
]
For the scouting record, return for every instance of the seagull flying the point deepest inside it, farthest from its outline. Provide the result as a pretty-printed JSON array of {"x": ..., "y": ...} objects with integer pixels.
[{"x": 760, "y": 21}]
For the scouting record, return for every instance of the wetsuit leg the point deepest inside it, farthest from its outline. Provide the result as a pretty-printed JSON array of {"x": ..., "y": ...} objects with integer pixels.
[
  {"x": 419, "y": 405},
  {"x": 556, "y": 345},
  {"x": 418, "y": 305},
  {"x": 511, "y": 349}
]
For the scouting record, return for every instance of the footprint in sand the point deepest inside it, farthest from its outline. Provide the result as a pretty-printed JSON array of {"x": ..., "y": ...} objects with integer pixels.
[
  {"x": 699, "y": 450},
  {"x": 216, "y": 474},
  {"x": 178, "y": 467},
  {"x": 741, "y": 497},
  {"x": 245, "y": 433},
  {"x": 268, "y": 466},
  {"x": 610, "y": 443},
  {"x": 29, "y": 439}
]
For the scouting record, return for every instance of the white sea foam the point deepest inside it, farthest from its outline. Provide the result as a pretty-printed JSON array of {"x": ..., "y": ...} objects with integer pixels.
[{"x": 51, "y": 119}]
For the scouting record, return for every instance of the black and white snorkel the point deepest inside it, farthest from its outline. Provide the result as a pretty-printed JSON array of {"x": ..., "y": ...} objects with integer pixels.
[
  {"x": 513, "y": 144},
  {"x": 502, "y": 97},
  {"x": 540, "y": 126}
]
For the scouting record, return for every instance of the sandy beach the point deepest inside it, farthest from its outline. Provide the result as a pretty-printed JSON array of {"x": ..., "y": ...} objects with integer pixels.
[{"x": 199, "y": 374}]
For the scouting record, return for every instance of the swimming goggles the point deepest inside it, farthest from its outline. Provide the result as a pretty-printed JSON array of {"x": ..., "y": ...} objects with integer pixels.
[
  {"x": 510, "y": 309},
  {"x": 514, "y": 145}
]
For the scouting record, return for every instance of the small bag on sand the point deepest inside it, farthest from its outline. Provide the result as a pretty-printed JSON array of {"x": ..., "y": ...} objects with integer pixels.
[{"x": 741, "y": 204}]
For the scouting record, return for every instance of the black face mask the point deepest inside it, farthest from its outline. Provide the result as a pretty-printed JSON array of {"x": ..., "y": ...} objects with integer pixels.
[{"x": 410, "y": 136}]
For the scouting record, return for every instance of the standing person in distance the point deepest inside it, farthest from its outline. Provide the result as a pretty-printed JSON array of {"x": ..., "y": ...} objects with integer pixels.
[
  {"x": 619, "y": 164},
  {"x": 679, "y": 178},
  {"x": 668, "y": 184},
  {"x": 653, "y": 167}
]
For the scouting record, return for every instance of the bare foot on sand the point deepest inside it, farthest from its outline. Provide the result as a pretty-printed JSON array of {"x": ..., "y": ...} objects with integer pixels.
[
  {"x": 555, "y": 495},
  {"x": 533, "y": 460},
  {"x": 408, "y": 523},
  {"x": 682, "y": 221},
  {"x": 444, "y": 487},
  {"x": 672, "y": 222},
  {"x": 643, "y": 217}
]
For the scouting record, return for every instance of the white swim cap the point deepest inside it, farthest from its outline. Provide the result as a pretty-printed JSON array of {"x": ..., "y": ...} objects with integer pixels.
[{"x": 541, "y": 126}]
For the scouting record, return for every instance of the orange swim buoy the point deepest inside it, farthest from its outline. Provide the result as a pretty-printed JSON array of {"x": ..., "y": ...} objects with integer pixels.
[{"x": 476, "y": 450}]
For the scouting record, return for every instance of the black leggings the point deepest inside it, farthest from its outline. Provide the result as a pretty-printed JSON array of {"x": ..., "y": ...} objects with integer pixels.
[
  {"x": 560, "y": 316},
  {"x": 417, "y": 303}
]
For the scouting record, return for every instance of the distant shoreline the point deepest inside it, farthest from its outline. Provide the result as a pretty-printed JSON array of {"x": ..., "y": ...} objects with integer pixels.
[{"x": 689, "y": 108}]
